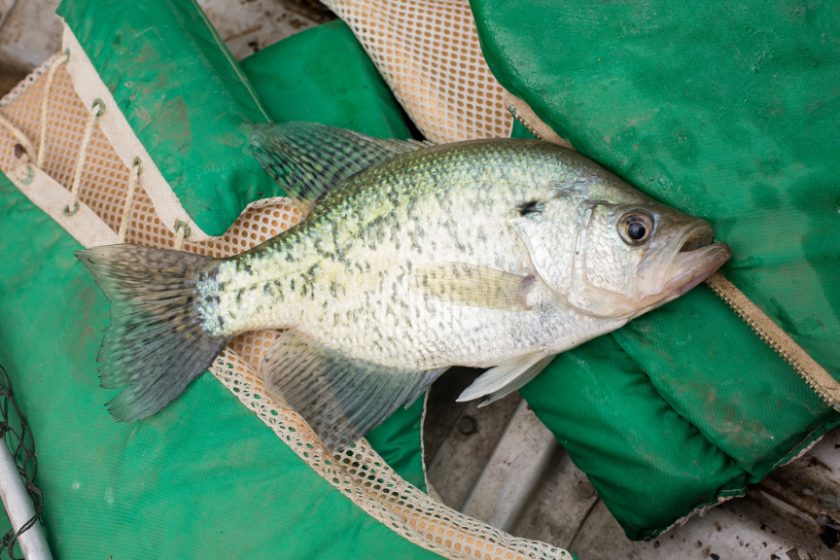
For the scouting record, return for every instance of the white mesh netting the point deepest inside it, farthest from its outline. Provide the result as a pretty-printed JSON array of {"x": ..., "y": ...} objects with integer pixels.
[
  {"x": 428, "y": 52},
  {"x": 359, "y": 473}
]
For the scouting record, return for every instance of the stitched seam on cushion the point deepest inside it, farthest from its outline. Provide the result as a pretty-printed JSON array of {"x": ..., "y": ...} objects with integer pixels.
[{"x": 719, "y": 498}]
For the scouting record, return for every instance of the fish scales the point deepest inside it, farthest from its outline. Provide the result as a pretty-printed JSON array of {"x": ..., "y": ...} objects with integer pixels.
[
  {"x": 410, "y": 259},
  {"x": 367, "y": 240}
]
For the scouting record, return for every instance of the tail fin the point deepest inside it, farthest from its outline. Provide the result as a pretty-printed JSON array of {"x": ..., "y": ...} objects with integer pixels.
[{"x": 155, "y": 343}]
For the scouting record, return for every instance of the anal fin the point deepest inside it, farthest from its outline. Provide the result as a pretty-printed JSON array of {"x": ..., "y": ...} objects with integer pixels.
[
  {"x": 506, "y": 377},
  {"x": 340, "y": 397}
]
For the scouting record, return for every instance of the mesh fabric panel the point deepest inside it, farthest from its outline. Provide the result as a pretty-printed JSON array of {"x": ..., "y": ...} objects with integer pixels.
[{"x": 428, "y": 52}]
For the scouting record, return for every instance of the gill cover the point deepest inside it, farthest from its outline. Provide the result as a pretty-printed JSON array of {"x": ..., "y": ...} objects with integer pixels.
[{"x": 561, "y": 238}]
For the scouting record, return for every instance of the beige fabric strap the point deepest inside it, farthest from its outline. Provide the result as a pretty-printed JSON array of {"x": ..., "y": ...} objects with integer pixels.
[
  {"x": 84, "y": 225},
  {"x": 428, "y": 53},
  {"x": 45, "y": 106},
  {"x": 114, "y": 125}
]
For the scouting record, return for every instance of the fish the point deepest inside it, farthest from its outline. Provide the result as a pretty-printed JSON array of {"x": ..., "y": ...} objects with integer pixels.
[{"x": 411, "y": 258}]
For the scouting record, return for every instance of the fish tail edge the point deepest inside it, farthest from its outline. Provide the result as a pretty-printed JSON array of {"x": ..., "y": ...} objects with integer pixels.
[{"x": 155, "y": 343}]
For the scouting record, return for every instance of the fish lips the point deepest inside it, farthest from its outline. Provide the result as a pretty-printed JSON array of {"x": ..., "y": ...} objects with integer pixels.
[
  {"x": 691, "y": 268},
  {"x": 697, "y": 259}
]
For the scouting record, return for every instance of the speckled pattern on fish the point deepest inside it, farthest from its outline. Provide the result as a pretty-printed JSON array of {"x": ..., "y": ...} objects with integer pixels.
[{"x": 414, "y": 259}]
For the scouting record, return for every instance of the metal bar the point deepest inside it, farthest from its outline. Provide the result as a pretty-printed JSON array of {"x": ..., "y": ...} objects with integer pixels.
[{"x": 19, "y": 507}]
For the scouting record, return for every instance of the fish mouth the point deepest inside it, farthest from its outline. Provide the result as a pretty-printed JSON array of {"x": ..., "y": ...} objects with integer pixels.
[{"x": 697, "y": 259}]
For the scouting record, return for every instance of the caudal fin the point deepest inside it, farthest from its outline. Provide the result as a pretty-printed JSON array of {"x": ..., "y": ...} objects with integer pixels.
[{"x": 155, "y": 344}]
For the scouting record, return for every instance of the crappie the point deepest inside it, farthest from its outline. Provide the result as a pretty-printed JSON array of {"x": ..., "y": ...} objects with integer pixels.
[{"x": 412, "y": 258}]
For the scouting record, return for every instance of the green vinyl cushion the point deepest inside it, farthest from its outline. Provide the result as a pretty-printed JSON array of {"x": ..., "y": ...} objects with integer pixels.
[
  {"x": 184, "y": 96},
  {"x": 725, "y": 111},
  {"x": 325, "y": 63},
  {"x": 204, "y": 477}
]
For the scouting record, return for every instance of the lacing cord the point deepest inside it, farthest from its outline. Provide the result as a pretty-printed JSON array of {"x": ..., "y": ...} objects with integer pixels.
[
  {"x": 136, "y": 170},
  {"x": 97, "y": 109},
  {"x": 27, "y": 157},
  {"x": 24, "y": 151},
  {"x": 182, "y": 231}
]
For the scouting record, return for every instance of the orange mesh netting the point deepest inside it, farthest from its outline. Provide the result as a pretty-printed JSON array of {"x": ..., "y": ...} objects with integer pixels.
[{"x": 428, "y": 52}]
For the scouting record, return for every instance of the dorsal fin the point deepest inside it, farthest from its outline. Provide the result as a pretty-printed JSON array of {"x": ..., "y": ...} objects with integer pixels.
[
  {"x": 308, "y": 159},
  {"x": 340, "y": 397}
]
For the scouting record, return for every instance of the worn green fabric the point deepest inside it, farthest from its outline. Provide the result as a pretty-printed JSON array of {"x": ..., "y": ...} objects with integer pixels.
[
  {"x": 325, "y": 63},
  {"x": 723, "y": 111},
  {"x": 723, "y": 379},
  {"x": 184, "y": 96},
  {"x": 202, "y": 478},
  {"x": 613, "y": 419}
]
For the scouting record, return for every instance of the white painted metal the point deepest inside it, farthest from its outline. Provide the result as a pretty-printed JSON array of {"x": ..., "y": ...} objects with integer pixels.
[
  {"x": 249, "y": 26},
  {"x": 461, "y": 459},
  {"x": 19, "y": 507}
]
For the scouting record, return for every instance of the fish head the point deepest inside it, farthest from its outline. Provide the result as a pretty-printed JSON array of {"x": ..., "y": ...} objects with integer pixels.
[{"x": 611, "y": 251}]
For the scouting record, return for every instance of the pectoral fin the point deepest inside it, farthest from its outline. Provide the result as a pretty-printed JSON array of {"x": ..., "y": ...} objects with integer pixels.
[
  {"x": 506, "y": 377},
  {"x": 340, "y": 397},
  {"x": 468, "y": 284}
]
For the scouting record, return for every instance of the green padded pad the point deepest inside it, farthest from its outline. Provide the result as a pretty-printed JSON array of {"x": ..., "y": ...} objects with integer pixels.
[
  {"x": 184, "y": 96},
  {"x": 751, "y": 405},
  {"x": 723, "y": 111},
  {"x": 203, "y": 478},
  {"x": 649, "y": 465},
  {"x": 301, "y": 71}
]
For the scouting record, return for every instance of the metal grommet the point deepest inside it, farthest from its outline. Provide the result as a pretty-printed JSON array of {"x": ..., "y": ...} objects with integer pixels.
[
  {"x": 67, "y": 54},
  {"x": 29, "y": 177},
  {"x": 69, "y": 212},
  {"x": 101, "y": 104},
  {"x": 137, "y": 163},
  {"x": 179, "y": 224}
]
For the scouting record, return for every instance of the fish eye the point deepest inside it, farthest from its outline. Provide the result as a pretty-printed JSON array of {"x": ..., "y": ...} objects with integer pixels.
[{"x": 635, "y": 227}]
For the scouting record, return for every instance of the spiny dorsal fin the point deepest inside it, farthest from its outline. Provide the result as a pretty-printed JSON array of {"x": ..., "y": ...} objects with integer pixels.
[
  {"x": 473, "y": 285},
  {"x": 340, "y": 397},
  {"x": 308, "y": 159},
  {"x": 506, "y": 377}
]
